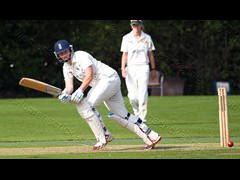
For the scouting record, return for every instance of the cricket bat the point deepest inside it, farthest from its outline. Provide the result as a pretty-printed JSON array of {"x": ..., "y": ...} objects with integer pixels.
[{"x": 40, "y": 86}]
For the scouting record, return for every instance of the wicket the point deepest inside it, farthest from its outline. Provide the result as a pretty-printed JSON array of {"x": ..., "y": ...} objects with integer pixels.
[{"x": 223, "y": 116}]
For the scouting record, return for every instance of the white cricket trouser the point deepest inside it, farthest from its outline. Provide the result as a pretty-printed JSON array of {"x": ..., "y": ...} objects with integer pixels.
[
  {"x": 137, "y": 85},
  {"x": 108, "y": 91}
]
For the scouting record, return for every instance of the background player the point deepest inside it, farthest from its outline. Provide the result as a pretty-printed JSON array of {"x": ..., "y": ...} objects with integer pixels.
[{"x": 136, "y": 49}]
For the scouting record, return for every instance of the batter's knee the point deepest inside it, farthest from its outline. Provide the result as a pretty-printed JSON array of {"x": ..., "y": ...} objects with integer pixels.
[{"x": 85, "y": 110}]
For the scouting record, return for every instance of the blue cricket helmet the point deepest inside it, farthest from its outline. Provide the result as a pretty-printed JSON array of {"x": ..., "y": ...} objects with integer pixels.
[{"x": 61, "y": 46}]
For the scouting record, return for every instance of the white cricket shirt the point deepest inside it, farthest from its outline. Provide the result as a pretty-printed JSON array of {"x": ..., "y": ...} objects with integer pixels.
[
  {"x": 82, "y": 60},
  {"x": 137, "y": 49}
]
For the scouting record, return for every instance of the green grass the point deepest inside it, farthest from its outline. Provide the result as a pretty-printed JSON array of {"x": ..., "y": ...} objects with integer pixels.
[{"x": 181, "y": 120}]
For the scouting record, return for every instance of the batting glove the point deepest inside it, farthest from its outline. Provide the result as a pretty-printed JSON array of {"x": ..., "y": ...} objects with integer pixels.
[
  {"x": 64, "y": 97},
  {"x": 77, "y": 96}
]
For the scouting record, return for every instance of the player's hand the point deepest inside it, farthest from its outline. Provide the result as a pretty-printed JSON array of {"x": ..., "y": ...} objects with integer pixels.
[
  {"x": 64, "y": 97},
  {"x": 77, "y": 96}
]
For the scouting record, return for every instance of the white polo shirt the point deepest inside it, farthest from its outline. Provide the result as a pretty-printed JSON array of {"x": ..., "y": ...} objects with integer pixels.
[
  {"x": 82, "y": 60},
  {"x": 137, "y": 49}
]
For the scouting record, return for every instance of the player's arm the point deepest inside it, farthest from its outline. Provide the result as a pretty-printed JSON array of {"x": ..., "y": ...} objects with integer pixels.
[
  {"x": 124, "y": 50},
  {"x": 78, "y": 94},
  {"x": 69, "y": 86},
  {"x": 124, "y": 64},
  {"x": 152, "y": 64},
  {"x": 65, "y": 96},
  {"x": 88, "y": 78}
]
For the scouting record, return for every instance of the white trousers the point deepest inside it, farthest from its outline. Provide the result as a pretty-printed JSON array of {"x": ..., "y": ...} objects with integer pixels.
[
  {"x": 137, "y": 85},
  {"x": 108, "y": 91}
]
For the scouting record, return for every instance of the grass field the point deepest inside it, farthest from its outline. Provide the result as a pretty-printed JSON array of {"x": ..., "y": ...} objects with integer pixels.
[{"x": 47, "y": 129}]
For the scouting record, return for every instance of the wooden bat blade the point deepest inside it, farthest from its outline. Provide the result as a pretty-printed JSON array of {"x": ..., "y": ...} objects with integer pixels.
[{"x": 40, "y": 86}]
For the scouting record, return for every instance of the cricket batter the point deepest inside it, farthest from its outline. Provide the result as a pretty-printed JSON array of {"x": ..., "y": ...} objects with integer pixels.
[
  {"x": 137, "y": 64},
  {"x": 105, "y": 88}
]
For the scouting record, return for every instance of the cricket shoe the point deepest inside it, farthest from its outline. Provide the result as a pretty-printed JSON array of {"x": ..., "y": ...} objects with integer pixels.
[
  {"x": 149, "y": 147},
  {"x": 109, "y": 138},
  {"x": 98, "y": 146}
]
